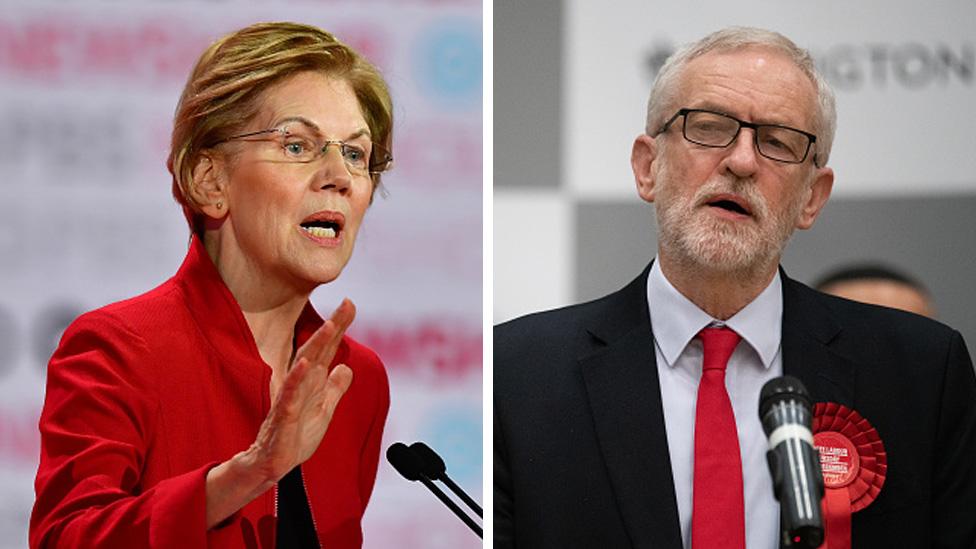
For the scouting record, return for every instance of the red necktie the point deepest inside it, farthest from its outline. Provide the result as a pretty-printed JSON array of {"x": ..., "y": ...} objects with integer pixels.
[{"x": 717, "y": 517}]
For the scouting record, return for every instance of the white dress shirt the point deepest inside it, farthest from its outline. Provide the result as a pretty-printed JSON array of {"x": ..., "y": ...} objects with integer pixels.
[{"x": 675, "y": 321}]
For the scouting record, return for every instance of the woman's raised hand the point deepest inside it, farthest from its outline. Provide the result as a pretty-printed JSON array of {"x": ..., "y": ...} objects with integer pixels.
[
  {"x": 292, "y": 431},
  {"x": 303, "y": 407}
]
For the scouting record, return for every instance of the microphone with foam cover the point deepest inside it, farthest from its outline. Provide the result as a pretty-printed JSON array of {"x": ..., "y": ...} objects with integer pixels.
[
  {"x": 435, "y": 468},
  {"x": 413, "y": 467},
  {"x": 786, "y": 415}
]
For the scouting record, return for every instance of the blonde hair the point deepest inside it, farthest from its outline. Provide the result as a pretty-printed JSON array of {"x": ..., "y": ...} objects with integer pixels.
[{"x": 224, "y": 90}]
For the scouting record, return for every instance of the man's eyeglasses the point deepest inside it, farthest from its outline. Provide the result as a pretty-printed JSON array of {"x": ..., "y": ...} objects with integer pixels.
[
  {"x": 298, "y": 144},
  {"x": 714, "y": 129}
]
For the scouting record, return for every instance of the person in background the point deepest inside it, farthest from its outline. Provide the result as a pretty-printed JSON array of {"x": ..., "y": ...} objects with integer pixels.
[
  {"x": 878, "y": 285},
  {"x": 219, "y": 409},
  {"x": 631, "y": 420}
]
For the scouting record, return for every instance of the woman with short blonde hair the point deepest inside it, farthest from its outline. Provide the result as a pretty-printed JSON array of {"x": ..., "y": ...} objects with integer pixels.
[{"x": 219, "y": 409}]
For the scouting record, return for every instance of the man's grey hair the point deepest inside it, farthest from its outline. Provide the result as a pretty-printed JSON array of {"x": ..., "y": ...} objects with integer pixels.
[{"x": 663, "y": 100}]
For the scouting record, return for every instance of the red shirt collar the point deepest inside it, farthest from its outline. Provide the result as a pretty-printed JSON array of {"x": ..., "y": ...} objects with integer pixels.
[{"x": 217, "y": 312}]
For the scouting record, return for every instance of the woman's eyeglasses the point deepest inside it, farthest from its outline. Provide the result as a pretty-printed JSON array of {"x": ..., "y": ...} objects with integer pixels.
[{"x": 298, "y": 144}]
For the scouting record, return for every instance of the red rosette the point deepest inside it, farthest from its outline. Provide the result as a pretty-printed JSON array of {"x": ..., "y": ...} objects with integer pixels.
[
  {"x": 854, "y": 464},
  {"x": 868, "y": 463}
]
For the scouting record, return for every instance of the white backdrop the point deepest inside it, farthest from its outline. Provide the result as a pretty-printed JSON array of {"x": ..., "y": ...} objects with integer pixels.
[
  {"x": 87, "y": 93},
  {"x": 904, "y": 73},
  {"x": 900, "y": 71}
]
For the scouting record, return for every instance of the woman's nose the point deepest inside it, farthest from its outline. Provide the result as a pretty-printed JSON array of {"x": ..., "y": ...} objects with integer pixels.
[{"x": 334, "y": 172}]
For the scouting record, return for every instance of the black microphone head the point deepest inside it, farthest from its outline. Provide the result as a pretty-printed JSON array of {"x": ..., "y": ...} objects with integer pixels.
[
  {"x": 405, "y": 461},
  {"x": 780, "y": 389},
  {"x": 433, "y": 465}
]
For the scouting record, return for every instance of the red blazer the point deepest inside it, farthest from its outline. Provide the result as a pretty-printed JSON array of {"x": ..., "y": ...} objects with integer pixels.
[{"x": 146, "y": 395}]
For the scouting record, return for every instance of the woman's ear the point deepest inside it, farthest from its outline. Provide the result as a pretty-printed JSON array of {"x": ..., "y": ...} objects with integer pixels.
[{"x": 209, "y": 186}]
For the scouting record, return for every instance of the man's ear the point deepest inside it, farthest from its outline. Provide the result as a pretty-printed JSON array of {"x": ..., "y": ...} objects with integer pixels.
[
  {"x": 642, "y": 158},
  {"x": 819, "y": 192},
  {"x": 209, "y": 188}
]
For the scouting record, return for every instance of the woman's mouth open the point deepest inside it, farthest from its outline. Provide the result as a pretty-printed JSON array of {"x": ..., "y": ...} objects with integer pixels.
[
  {"x": 321, "y": 229},
  {"x": 324, "y": 227}
]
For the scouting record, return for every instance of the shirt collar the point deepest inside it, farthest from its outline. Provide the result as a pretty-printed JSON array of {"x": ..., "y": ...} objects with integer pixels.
[
  {"x": 216, "y": 311},
  {"x": 676, "y": 320}
]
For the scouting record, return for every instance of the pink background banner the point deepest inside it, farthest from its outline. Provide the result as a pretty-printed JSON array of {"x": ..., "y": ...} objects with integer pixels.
[{"x": 87, "y": 94}]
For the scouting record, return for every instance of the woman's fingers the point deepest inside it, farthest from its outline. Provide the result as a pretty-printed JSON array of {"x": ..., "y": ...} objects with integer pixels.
[
  {"x": 318, "y": 340},
  {"x": 344, "y": 314},
  {"x": 341, "y": 318},
  {"x": 322, "y": 345},
  {"x": 296, "y": 423},
  {"x": 293, "y": 382},
  {"x": 340, "y": 378},
  {"x": 308, "y": 396}
]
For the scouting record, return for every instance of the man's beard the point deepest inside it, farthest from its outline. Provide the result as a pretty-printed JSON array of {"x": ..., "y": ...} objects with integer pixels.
[{"x": 702, "y": 241}]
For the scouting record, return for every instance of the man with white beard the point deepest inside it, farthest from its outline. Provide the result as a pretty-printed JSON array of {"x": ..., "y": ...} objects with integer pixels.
[{"x": 630, "y": 421}]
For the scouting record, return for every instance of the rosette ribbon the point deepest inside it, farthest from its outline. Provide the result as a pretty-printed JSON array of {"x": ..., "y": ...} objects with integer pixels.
[{"x": 854, "y": 464}]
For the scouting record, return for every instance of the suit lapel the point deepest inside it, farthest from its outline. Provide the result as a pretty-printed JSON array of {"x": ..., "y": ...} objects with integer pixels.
[
  {"x": 620, "y": 375},
  {"x": 808, "y": 331}
]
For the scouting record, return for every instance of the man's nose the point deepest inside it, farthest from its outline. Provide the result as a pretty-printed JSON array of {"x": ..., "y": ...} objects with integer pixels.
[{"x": 742, "y": 157}]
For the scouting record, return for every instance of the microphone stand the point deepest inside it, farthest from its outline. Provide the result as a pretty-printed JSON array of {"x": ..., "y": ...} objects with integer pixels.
[
  {"x": 462, "y": 495},
  {"x": 452, "y": 506}
]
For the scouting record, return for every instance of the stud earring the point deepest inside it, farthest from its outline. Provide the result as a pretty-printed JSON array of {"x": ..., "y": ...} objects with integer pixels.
[{"x": 220, "y": 205}]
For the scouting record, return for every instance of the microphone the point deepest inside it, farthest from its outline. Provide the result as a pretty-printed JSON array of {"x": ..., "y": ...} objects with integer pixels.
[
  {"x": 412, "y": 467},
  {"x": 435, "y": 468},
  {"x": 786, "y": 415}
]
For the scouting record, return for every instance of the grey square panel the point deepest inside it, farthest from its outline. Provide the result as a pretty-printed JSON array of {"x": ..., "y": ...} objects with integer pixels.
[{"x": 527, "y": 93}]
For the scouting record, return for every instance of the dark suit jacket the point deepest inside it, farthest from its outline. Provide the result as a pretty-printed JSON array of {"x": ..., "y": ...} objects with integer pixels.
[{"x": 581, "y": 458}]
